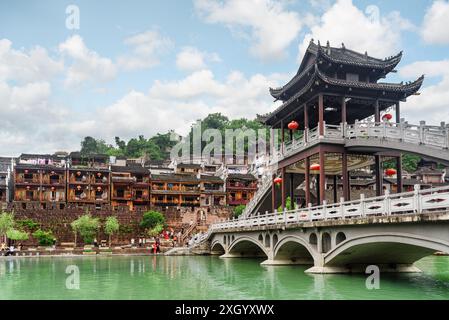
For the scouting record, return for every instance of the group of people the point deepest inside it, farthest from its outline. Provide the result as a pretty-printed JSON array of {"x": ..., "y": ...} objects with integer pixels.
[{"x": 8, "y": 251}]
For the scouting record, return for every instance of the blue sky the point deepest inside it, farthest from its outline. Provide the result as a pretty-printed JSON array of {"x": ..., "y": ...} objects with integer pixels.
[{"x": 141, "y": 67}]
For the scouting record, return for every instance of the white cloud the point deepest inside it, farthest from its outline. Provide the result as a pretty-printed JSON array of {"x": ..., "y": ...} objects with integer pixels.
[
  {"x": 87, "y": 65},
  {"x": 177, "y": 104},
  {"x": 358, "y": 30},
  {"x": 266, "y": 23},
  {"x": 191, "y": 58},
  {"x": 24, "y": 67},
  {"x": 436, "y": 23},
  {"x": 147, "y": 47},
  {"x": 431, "y": 104},
  {"x": 30, "y": 121}
]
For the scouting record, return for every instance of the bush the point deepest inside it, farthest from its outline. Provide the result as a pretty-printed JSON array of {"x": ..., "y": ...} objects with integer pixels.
[
  {"x": 29, "y": 224},
  {"x": 15, "y": 234},
  {"x": 154, "y": 232},
  {"x": 45, "y": 238},
  {"x": 151, "y": 219},
  {"x": 239, "y": 210}
]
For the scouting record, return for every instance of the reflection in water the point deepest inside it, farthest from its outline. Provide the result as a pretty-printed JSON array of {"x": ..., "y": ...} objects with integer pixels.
[{"x": 202, "y": 277}]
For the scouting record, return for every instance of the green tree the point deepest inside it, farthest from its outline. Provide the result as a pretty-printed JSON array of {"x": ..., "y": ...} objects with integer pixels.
[
  {"x": 111, "y": 226},
  {"x": 6, "y": 223},
  {"x": 86, "y": 226},
  {"x": 151, "y": 219},
  {"x": 44, "y": 238},
  {"x": 156, "y": 230},
  {"x": 238, "y": 210},
  {"x": 15, "y": 234},
  {"x": 288, "y": 205}
]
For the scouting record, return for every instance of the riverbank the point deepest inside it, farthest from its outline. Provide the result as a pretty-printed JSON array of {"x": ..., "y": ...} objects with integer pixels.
[{"x": 82, "y": 252}]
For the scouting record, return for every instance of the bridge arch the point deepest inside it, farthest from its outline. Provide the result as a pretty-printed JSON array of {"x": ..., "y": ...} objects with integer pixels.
[
  {"x": 247, "y": 247},
  {"x": 294, "y": 249},
  {"x": 217, "y": 248},
  {"x": 383, "y": 249}
]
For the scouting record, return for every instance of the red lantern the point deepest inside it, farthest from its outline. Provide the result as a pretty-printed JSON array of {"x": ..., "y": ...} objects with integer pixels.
[
  {"x": 52, "y": 188},
  {"x": 277, "y": 180},
  {"x": 78, "y": 187},
  {"x": 99, "y": 188},
  {"x": 315, "y": 167},
  {"x": 390, "y": 172},
  {"x": 98, "y": 174},
  {"x": 26, "y": 171},
  {"x": 28, "y": 187},
  {"x": 293, "y": 125},
  {"x": 387, "y": 117}
]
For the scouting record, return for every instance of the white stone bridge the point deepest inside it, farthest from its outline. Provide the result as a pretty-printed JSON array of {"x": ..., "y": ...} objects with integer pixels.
[{"x": 392, "y": 231}]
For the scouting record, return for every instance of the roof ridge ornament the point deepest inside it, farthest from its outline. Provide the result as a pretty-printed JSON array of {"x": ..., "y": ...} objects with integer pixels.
[{"x": 343, "y": 46}]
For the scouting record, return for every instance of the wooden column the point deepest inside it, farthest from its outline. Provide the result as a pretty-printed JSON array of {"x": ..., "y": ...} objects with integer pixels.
[
  {"x": 273, "y": 194},
  {"x": 345, "y": 176},
  {"x": 376, "y": 111},
  {"x": 283, "y": 185},
  {"x": 398, "y": 159},
  {"x": 306, "y": 121},
  {"x": 377, "y": 159},
  {"x": 292, "y": 191},
  {"x": 282, "y": 136},
  {"x": 399, "y": 174},
  {"x": 307, "y": 179},
  {"x": 379, "y": 176},
  {"x": 321, "y": 114},
  {"x": 343, "y": 109},
  {"x": 322, "y": 181}
]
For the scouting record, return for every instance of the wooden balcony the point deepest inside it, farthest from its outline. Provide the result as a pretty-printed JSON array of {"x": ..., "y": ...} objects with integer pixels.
[
  {"x": 241, "y": 186},
  {"x": 236, "y": 202}
]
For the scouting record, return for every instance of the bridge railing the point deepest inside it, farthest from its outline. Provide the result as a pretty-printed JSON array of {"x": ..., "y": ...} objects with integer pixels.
[
  {"x": 422, "y": 134},
  {"x": 414, "y": 202}
]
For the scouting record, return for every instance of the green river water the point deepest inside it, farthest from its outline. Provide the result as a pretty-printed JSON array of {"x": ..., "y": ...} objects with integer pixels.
[{"x": 206, "y": 277}]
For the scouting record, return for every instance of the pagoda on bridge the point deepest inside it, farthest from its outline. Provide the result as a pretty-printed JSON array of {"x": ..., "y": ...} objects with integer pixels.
[{"x": 334, "y": 88}]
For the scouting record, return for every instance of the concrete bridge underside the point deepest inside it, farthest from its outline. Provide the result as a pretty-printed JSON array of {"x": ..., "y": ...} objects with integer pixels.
[{"x": 341, "y": 248}]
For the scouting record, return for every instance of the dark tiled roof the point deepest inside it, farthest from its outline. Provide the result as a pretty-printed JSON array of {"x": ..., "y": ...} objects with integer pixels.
[
  {"x": 38, "y": 166},
  {"x": 132, "y": 169},
  {"x": 189, "y": 165},
  {"x": 211, "y": 178},
  {"x": 339, "y": 56},
  {"x": 174, "y": 178},
  {"x": 242, "y": 176}
]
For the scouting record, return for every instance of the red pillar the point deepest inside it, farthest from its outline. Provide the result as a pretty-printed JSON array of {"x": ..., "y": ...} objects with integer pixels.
[
  {"x": 322, "y": 177},
  {"x": 307, "y": 179},
  {"x": 306, "y": 121},
  {"x": 321, "y": 114},
  {"x": 283, "y": 184},
  {"x": 345, "y": 176},
  {"x": 377, "y": 159},
  {"x": 273, "y": 194},
  {"x": 398, "y": 159}
]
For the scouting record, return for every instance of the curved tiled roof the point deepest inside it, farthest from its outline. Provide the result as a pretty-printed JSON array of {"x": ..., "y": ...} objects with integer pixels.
[
  {"x": 410, "y": 87},
  {"x": 339, "y": 56},
  {"x": 407, "y": 88}
]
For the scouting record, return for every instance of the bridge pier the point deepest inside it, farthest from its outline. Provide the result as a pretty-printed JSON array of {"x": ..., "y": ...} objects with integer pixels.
[{"x": 397, "y": 268}]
